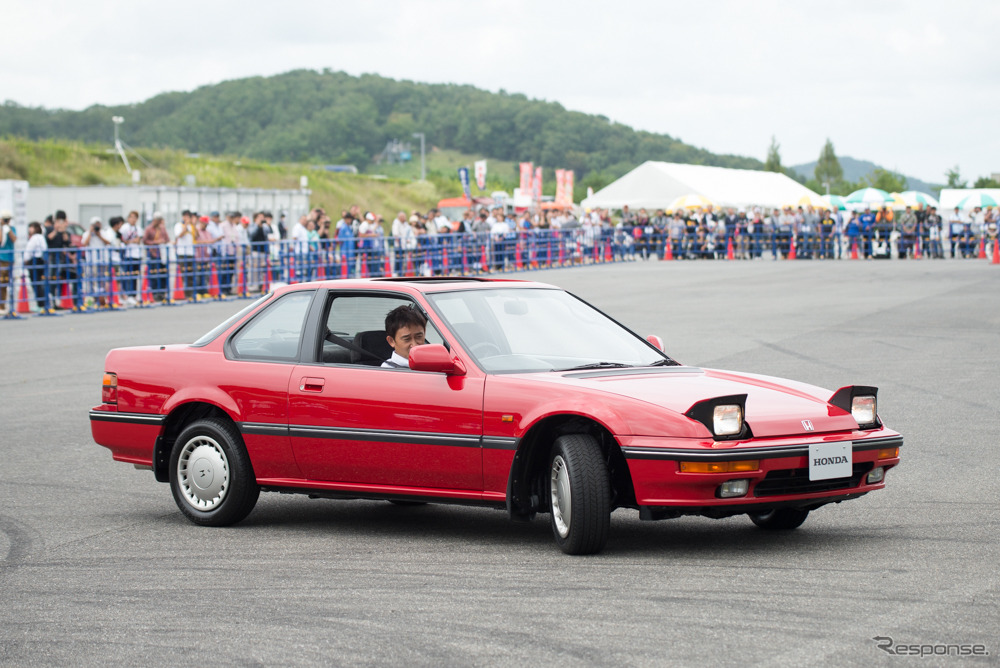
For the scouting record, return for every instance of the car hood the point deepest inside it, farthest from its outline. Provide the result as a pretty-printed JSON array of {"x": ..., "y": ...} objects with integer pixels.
[{"x": 774, "y": 406}]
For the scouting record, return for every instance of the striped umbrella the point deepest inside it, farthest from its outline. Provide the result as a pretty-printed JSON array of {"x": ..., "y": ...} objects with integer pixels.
[
  {"x": 812, "y": 200},
  {"x": 692, "y": 201},
  {"x": 915, "y": 197},
  {"x": 868, "y": 196},
  {"x": 977, "y": 199},
  {"x": 836, "y": 202},
  {"x": 897, "y": 201}
]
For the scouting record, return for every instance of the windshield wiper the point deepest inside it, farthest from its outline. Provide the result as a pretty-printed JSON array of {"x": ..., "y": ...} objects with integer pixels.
[
  {"x": 665, "y": 362},
  {"x": 597, "y": 365}
]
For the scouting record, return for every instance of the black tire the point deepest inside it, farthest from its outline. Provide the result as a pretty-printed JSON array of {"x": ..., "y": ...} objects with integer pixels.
[
  {"x": 780, "y": 519},
  {"x": 579, "y": 495},
  {"x": 211, "y": 477}
]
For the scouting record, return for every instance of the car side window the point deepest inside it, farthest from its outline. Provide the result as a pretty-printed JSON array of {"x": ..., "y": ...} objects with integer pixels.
[
  {"x": 276, "y": 332},
  {"x": 355, "y": 329}
]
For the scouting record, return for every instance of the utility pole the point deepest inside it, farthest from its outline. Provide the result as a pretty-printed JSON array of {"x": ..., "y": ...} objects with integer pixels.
[
  {"x": 423, "y": 163},
  {"x": 118, "y": 120}
]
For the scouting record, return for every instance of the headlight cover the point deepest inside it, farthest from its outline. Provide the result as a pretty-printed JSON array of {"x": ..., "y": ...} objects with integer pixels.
[
  {"x": 861, "y": 401},
  {"x": 863, "y": 409},
  {"x": 727, "y": 420},
  {"x": 723, "y": 416}
]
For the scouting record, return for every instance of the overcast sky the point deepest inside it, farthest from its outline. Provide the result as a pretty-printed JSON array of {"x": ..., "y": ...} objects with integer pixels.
[{"x": 913, "y": 86}]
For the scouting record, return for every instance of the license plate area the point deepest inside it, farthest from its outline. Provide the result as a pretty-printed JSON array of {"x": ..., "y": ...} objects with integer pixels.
[{"x": 829, "y": 460}]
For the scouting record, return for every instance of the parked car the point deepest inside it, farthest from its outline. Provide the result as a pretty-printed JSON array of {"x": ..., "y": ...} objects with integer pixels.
[{"x": 523, "y": 397}]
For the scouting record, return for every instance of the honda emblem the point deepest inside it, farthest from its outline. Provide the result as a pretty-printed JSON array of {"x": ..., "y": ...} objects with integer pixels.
[{"x": 808, "y": 425}]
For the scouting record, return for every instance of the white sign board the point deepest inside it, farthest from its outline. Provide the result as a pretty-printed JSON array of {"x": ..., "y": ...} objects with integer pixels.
[{"x": 829, "y": 460}]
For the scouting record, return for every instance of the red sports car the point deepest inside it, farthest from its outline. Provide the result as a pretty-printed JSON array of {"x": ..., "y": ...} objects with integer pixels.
[{"x": 521, "y": 396}]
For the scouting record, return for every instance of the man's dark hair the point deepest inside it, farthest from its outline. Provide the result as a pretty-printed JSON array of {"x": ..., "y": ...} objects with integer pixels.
[
  {"x": 60, "y": 214},
  {"x": 403, "y": 316}
]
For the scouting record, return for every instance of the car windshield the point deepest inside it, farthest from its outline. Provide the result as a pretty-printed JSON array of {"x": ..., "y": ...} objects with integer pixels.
[{"x": 512, "y": 330}]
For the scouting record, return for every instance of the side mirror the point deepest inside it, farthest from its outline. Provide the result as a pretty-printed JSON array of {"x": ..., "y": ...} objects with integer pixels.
[
  {"x": 656, "y": 341},
  {"x": 435, "y": 358}
]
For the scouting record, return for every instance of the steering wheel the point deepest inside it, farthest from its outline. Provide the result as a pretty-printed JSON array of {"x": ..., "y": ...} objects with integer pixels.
[{"x": 485, "y": 349}]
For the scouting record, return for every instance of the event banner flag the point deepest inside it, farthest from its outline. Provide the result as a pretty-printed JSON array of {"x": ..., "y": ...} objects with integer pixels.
[
  {"x": 564, "y": 187},
  {"x": 463, "y": 176},
  {"x": 538, "y": 184},
  {"x": 481, "y": 174},
  {"x": 526, "y": 185}
]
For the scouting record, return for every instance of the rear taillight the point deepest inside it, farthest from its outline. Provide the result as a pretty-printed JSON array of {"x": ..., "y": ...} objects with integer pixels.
[{"x": 109, "y": 389}]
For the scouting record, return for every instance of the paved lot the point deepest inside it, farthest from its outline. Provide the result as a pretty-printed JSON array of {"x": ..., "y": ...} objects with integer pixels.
[{"x": 98, "y": 567}]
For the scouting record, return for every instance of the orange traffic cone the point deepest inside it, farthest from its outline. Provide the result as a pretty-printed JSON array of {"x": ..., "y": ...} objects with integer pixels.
[
  {"x": 982, "y": 248},
  {"x": 791, "y": 249},
  {"x": 854, "y": 250},
  {"x": 344, "y": 273},
  {"x": 241, "y": 281},
  {"x": 291, "y": 270},
  {"x": 409, "y": 265},
  {"x": 23, "y": 305},
  {"x": 668, "y": 251},
  {"x": 608, "y": 256},
  {"x": 518, "y": 264},
  {"x": 213, "y": 282},
  {"x": 916, "y": 249},
  {"x": 67, "y": 299},
  {"x": 179, "y": 295},
  {"x": 486, "y": 260},
  {"x": 996, "y": 252},
  {"x": 388, "y": 265},
  {"x": 561, "y": 259},
  {"x": 114, "y": 301},
  {"x": 147, "y": 294},
  {"x": 321, "y": 272},
  {"x": 729, "y": 250},
  {"x": 444, "y": 261},
  {"x": 364, "y": 265}
]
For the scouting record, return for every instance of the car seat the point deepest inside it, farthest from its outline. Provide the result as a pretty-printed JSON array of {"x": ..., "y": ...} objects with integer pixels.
[{"x": 373, "y": 341}]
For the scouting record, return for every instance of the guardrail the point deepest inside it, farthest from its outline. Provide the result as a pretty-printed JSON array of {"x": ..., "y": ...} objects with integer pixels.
[{"x": 93, "y": 279}]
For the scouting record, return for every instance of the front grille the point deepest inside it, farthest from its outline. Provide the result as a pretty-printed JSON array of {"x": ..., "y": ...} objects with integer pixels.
[{"x": 796, "y": 481}]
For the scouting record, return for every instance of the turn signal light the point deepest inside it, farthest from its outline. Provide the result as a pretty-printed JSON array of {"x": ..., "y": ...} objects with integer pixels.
[
  {"x": 109, "y": 389},
  {"x": 720, "y": 467},
  {"x": 888, "y": 453}
]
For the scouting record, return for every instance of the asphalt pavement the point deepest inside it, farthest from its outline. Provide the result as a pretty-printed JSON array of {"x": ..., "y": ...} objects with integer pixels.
[{"x": 98, "y": 567}]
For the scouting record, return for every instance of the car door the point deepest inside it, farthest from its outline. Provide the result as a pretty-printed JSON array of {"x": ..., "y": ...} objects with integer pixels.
[{"x": 352, "y": 421}]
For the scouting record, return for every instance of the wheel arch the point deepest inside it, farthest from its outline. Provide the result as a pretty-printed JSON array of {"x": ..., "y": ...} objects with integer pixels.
[
  {"x": 525, "y": 493},
  {"x": 178, "y": 418}
]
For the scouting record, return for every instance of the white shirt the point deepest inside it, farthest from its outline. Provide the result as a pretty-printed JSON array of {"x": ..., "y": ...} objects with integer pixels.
[
  {"x": 129, "y": 232},
  {"x": 301, "y": 236},
  {"x": 183, "y": 240},
  {"x": 500, "y": 227},
  {"x": 36, "y": 247},
  {"x": 397, "y": 359}
]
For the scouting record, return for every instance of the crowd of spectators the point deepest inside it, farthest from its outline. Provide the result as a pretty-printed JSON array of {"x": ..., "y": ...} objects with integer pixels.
[{"x": 232, "y": 253}]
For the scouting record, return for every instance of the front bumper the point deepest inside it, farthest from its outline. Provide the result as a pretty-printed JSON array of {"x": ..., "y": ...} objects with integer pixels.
[{"x": 782, "y": 478}]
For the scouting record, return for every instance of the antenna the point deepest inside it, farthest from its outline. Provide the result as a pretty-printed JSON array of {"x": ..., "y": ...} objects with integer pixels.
[{"x": 121, "y": 147}]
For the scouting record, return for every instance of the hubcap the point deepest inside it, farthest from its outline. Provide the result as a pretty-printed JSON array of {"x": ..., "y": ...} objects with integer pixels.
[
  {"x": 561, "y": 496},
  {"x": 203, "y": 473}
]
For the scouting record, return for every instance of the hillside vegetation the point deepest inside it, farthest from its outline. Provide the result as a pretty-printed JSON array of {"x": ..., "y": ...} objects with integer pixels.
[
  {"x": 326, "y": 117},
  {"x": 61, "y": 163}
]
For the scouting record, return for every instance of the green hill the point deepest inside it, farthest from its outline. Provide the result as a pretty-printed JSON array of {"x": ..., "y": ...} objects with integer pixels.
[{"x": 327, "y": 117}]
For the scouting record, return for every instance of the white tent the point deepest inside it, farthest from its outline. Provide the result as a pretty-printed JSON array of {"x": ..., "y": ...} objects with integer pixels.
[
  {"x": 950, "y": 197},
  {"x": 654, "y": 185}
]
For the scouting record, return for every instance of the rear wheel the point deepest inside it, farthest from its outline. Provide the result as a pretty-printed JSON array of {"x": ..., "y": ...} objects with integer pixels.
[
  {"x": 780, "y": 519},
  {"x": 211, "y": 477},
  {"x": 580, "y": 495}
]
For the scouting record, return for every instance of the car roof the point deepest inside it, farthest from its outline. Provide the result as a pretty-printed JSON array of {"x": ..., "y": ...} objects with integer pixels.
[{"x": 425, "y": 285}]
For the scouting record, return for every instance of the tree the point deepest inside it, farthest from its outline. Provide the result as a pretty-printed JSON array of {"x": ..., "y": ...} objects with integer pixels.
[
  {"x": 885, "y": 180},
  {"x": 828, "y": 169},
  {"x": 954, "y": 178},
  {"x": 773, "y": 162},
  {"x": 986, "y": 182}
]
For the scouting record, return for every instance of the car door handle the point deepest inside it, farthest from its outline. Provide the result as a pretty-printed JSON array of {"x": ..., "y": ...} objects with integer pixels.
[{"x": 312, "y": 384}]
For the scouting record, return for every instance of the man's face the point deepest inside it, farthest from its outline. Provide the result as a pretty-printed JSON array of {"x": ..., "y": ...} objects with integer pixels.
[{"x": 406, "y": 338}]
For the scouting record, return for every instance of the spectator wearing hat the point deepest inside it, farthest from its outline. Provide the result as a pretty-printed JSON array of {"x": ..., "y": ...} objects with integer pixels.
[{"x": 8, "y": 237}]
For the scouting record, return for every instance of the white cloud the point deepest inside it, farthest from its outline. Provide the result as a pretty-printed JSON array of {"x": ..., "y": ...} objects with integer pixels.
[{"x": 910, "y": 85}]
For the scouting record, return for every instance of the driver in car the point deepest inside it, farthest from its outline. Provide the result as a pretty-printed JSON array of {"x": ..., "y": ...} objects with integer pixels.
[{"x": 405, "y": 327}]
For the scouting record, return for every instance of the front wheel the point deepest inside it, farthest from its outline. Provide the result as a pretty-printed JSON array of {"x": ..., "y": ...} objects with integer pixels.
[
  {"x": 780, "y": 519},
  {"x": 211, "y": 477},
  {"x": 580, "y": 495}
]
